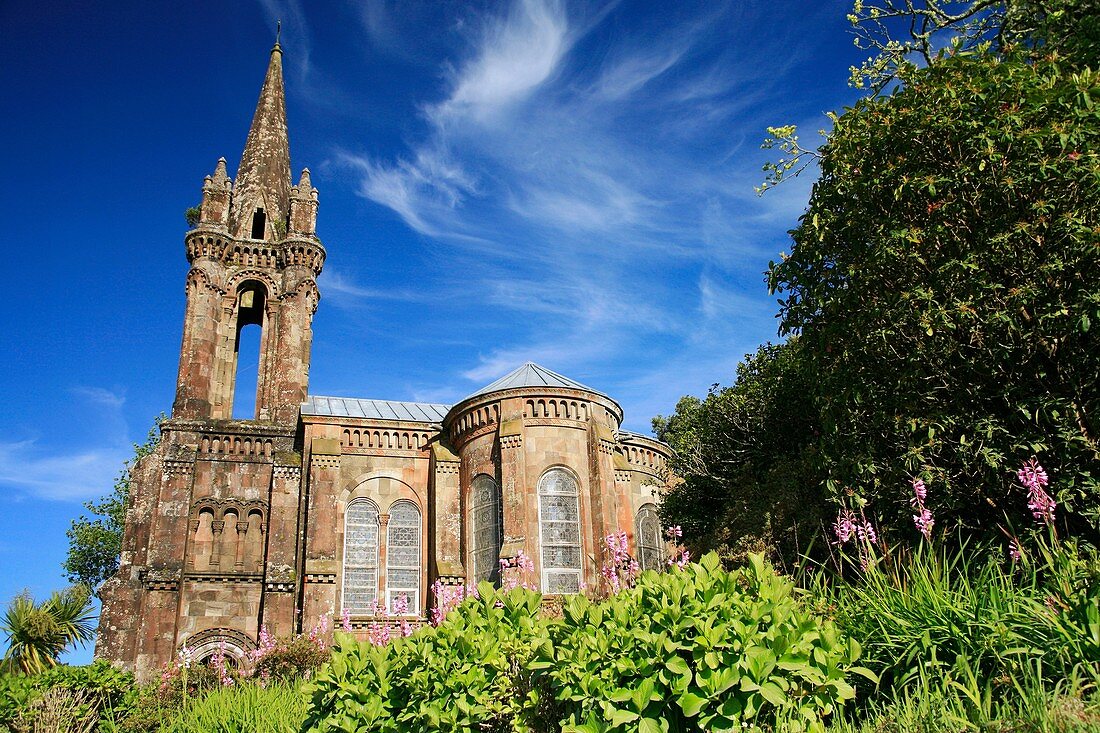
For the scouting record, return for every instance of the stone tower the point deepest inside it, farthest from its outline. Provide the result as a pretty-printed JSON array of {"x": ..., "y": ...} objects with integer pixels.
[
  {"x": 210, "y": 551},
  {"x": 254, "y": 260}
]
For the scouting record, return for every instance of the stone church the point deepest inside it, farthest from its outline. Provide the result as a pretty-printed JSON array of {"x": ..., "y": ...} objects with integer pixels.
[{"x": 320, "y": 504}]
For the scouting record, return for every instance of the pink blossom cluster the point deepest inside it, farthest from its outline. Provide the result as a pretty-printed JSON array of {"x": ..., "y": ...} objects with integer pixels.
[
  {"x": 319, "y": 634},
  {"x": 848, "y": 525},
  {"x": 447, "y": 597},
  {"x": 682, "y": 556},
  {"x": 518, "y": 572},
  {"x": 923, "y": 518},
  {"x": 1034, "y": 479},
  {"x": 620, "y": 570},
  {"x": 1014, "y": 551},
  {"x": 221, "y": 666}
]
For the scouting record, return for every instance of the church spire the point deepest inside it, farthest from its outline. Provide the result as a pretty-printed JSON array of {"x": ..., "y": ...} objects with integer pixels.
[{"x": 261, "y": 194}]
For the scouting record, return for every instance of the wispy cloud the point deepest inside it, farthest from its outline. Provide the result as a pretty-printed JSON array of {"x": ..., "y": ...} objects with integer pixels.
[
  {"x": 598, "y": 187},
  {"x": 45, "y": 469}
]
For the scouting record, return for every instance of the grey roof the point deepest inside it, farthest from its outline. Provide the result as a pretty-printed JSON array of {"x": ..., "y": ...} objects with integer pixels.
[
  {"x": 374, "y": 409},
  {"x": 531, "y": 375}
]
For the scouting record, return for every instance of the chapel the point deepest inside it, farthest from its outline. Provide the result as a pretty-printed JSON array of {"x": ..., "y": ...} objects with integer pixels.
[{"x": 323, "y": 504}]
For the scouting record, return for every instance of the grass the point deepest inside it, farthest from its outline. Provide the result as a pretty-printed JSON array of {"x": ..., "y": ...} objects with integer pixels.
[{"x": 243, "y": 708}]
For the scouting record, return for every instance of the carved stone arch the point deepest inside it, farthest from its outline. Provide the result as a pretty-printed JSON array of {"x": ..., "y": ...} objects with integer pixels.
[
  {"x": 306, "y": 285},
  {"x": 236, "y": 645},
  {"x": 240, "y": 277},
  {"x": 358, "y": 486},
  {"x": 199, "y": 276}
]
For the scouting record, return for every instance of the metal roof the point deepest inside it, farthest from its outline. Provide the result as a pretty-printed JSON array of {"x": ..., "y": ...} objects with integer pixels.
[
  {"x": 374, "y": 409},
  {"x": 532, "y": 375}
]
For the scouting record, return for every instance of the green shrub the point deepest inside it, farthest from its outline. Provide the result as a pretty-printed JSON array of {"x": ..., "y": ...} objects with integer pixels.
[
  {"x": 469, "y": 673},
  {"x": 288, "y": 660},
  {"x": 242, "y": 708},
  {"x": 699, "y": 649},
  {"x": 16, "y": 693}
]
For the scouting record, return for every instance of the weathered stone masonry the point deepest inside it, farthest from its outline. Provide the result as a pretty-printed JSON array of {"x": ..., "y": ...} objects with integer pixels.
[{"x": 317, "y": 504}]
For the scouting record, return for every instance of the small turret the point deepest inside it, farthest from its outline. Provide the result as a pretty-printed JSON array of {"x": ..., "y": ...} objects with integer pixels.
[
  {"x": 216, "y": 192},
  {"x": 303, "y": 207}
]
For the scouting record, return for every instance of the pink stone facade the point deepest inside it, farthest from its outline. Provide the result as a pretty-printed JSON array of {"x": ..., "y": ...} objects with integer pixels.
[{"x": 318, "y": 503}]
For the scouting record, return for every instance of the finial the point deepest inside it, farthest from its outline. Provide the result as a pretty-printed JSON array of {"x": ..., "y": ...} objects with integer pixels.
[{"x": 278, "y": 31}]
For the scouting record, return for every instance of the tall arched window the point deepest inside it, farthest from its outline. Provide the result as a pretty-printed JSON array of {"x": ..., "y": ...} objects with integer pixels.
[
  {"x": 403, "y": 555},
  {"x": 647, "y": 533},
  {"x": 360, "y": 557},
  {"x": 485, "y": 518},
  {"x": 560, "y": 532}
]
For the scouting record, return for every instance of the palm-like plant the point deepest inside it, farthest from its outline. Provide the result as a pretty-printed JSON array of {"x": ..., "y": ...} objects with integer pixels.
[{"x": 39, "y": 633}]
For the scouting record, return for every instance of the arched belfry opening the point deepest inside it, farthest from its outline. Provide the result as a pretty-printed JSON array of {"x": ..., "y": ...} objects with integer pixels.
[
  {"x": 259, "y": 223},
  {"x": 248, "y": 349}
]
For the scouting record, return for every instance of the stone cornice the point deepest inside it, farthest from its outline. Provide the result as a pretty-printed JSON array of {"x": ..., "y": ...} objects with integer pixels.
[{"x": 295, "y": 251}]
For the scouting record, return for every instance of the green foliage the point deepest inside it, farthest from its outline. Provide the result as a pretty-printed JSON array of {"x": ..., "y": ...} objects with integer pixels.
[
  {"x": 95, "y": 544},
  {"x": 944, "y": 281},
  {"x": 744, "y": 457},
  {"x": 979, "y": 638},
  {"x": 16, "y": 693},
  {"x": 469, "y": 673},
  {"x": 38, "y": 633},
  {"x": 290, "y": 660},
  {"x": 243, "y": 708},
  {"x": 192, "y": 215},
  {"x": 698, "y": 649}
]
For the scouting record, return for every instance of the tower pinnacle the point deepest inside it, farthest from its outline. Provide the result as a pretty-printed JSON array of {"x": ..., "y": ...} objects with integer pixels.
[{"x": 261, "y": 196}]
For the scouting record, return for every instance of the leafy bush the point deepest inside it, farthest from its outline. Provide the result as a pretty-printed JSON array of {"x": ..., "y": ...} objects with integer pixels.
[
  {"x": 16, "y": 692},
  {"x": 288, "y": 660},
  {"x": 468, "y": 673},
  {"x": 698, "y": 649}
]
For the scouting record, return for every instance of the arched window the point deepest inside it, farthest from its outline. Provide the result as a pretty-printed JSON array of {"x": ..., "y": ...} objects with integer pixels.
[
  {"x": 246, "y": 350},
  {"x": 361, "y": 557},
  {"x": 403, "y": 555},
  {"x": 560, "y": 532},
  {"x": 647, "y": 534},
  {"x": 485, "y": 518}
]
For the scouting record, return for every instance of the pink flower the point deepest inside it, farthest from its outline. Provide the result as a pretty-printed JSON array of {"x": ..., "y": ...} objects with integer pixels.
[
  {"x": 844, "y": 526},
  {"x": 674, "y": 533},
  {"x": 923, "y": 518},
  {"x": 345, "y": 621},
  {"x": 1014, "y": 549},
  {"x": 1034, "y": 479}
]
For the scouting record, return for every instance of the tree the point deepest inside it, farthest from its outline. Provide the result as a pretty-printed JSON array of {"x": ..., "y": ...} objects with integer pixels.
[
  {"x": 945, "y": 278},
  {"x": 95, "y": 543},
  {"x": 744, "y": 458},
  {"x": 38, "y": 633}
]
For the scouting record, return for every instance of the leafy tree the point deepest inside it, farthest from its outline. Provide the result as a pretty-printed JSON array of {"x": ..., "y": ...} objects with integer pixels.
[
  {"x": 945, "y": 278},
  {"x": 95, "y": 543},
  {"x": 38, "y": 633},
  {"x": 744, "y": 458}
]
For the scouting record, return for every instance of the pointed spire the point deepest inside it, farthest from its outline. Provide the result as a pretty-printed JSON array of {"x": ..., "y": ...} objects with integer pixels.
[{"x": 263, "y": 178}]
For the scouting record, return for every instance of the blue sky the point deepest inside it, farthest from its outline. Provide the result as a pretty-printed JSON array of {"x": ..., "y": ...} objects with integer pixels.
[{"x": 568, "y": 183}]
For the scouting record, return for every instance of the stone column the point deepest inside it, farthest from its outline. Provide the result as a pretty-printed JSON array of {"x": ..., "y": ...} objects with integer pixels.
[
  {"x": 280, "y": 561},
  {"x": 321, "y": 549},
  {"x": 519, "y": 521},
  {"x": 445, "y": 518}
]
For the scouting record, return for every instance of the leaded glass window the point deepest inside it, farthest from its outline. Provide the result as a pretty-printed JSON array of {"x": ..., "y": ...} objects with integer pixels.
[
  {"x": 647, "y": 533},
  {"x": 403, "y": 555},
  {"x": 360, "y": 557},
  {"x": 485, "y": 518},
  {"x": 560, "y": 532}
]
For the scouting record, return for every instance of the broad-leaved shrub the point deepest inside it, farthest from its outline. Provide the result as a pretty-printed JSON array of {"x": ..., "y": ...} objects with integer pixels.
[
  {"x": 698, "y": 649},
  {"x": 468, "y": 673}
]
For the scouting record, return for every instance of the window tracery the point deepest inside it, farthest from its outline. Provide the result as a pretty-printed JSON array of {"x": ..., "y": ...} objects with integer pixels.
[
  {"x": 360, "y": 557},
  {"x": 559, "y": 532},
  {"x": 403, "y": 555},
  {"x": 485, "y": 517},
  {"x": 647, "y": 533}
]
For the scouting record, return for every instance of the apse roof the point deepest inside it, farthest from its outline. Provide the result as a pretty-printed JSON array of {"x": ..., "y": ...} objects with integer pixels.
[
  {"x": 374, "y": 409},
  {"x": 531, "y": 375}
]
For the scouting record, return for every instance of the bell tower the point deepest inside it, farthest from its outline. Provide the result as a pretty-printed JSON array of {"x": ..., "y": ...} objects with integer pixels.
[{"x": 255, "y": 258}]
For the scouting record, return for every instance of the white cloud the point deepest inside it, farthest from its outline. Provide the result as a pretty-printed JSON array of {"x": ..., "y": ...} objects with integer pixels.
[{"x": 68, "y": 472}]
